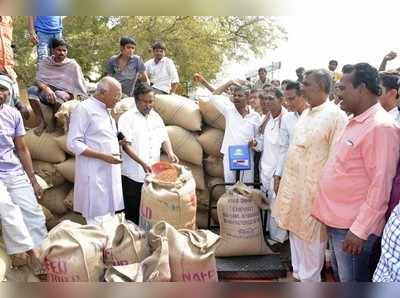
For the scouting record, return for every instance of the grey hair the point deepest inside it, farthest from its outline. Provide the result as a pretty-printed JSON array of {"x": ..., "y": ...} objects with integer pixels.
[
  {"x": 105, "y": 83},
  {"x": 322, "y": 77}
]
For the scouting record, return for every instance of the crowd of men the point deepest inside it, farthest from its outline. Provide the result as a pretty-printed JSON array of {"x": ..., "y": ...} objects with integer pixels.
[{"x": 325, "y": 149}]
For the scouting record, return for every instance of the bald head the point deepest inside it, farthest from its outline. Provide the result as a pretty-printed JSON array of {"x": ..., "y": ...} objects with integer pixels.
[
  {"x": 107, "y": 83},
  {"x": 108, "y": 91}
]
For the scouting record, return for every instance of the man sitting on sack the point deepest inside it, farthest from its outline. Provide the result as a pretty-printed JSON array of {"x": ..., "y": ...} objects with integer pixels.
[
  {"x": 58, "y": 79},
  {"x": 144, "y": 135},
  {"x": 22, "y": 219},
  {"x": 242, "y": 123},
  {"x": 162, "y": 71}
]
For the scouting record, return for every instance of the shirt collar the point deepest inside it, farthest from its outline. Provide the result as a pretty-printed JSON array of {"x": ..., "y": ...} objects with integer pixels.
[
  {"x": 368, "y": 113},
  {"x": 394, "y": 111},
  {"x": 161, "y": 60},
  {"x": 98, "y": 103},
  {"x": 320, "y": 107}
]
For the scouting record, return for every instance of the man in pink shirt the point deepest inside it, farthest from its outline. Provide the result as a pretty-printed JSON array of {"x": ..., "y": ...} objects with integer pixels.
[{"x": 354, "y": 187}]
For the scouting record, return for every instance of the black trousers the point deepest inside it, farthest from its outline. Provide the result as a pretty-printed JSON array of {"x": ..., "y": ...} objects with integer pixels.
[{"x": 132, "y": 192}]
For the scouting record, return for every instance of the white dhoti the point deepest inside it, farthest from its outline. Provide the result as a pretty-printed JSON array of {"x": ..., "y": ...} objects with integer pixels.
[
  {"x": 275, "y": 232},
  {"x": 22, "y": 219},
  {"x": 307, "y": 258}
]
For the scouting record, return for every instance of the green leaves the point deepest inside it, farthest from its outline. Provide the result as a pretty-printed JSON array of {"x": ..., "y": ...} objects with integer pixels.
[{"x": 195, "y": 43}]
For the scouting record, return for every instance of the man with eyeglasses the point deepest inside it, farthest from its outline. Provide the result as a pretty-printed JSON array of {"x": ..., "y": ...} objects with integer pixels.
[
  {"x": 267, "y": 142},
  {"x": 297, "y": 104}
]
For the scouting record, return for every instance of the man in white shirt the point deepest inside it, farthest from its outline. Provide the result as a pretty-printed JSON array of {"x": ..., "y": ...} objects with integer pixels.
[
  {"x": 390, "y": 84},
  {"x": 267, "y": 142},
  {"x": 262, "y": 79},
  {"x": 92, "y": 137},
  {"x": 162, "y": 71},
  {"x": 144, "y": 135},
  {"x": 297, "y": 104},
  {"x": 241, "y": 126}
]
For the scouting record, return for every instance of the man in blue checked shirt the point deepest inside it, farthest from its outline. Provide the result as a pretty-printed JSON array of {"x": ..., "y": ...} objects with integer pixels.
[{"x": 388, "y": 269}]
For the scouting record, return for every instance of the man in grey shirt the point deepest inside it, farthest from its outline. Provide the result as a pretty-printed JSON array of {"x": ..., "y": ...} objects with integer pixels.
[{"x": 126, "y": 67}]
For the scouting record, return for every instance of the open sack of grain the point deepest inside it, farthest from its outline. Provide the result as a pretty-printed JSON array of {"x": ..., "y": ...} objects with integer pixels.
[{"x": 169, "y": 194}]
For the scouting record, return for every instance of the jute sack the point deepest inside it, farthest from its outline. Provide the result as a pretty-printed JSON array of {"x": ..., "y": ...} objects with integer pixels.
[
  {"x": 62, "y": 143},
  {"x": 174, "y": 202},
  {"x": 47, "y": 213},
  {"x": 64, "y": 113},
  {"x": 211, "y": 141},
  {"x": 179, "y": 111},
  {"x": 202, "y": 217},
  {"x": 52, "y": 223},
  {"x": 185, "y": 145},
  {"x": 53, "y": 199},
  {"x": 154, "y": 268},
  {"x": 214, "y": 167},
  {"x": 122, "y": 106},
  {"x": 191, "y": 253},
  {"x": 44, "y": 148},
  {"x": 240, "y": 223},
  {"x": 33, "y": 121},
  {"x": 48, "y": 172},
  {"x": 69, "y": 200},
  {"x": 74, "y": 217},
  {"x": 202, "y": 197},
  {"x": 21, "y": 274},
  {"x": 197, "y": 172},
  {"x": 73, "y": 253},
  {"x": 211, "y": 115},
  {"x": 127, "y": 246},
  {"x": 43, "y": 184},
  {"x": 217, "y": 191},
  {"x": 67, "y": 169}
]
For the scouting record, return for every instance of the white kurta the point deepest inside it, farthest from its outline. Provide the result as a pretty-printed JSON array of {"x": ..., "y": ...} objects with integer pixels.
[
  {"x": 288, "y": 125},
  {"x": 239, "y": 130},
  {"x": 268, "y": 143},
  {"x": 98, "y": 187}
]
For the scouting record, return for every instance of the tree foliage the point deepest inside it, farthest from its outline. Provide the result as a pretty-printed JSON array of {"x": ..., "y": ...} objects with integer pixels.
[{"x": 195, "y": 43}]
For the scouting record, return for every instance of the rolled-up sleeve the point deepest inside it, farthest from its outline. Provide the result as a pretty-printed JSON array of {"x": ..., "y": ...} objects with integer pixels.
[
  {"x": 124, "y": 126},
  {"x": 77, "y": 129},
  {"x": 380, "y": 154}
]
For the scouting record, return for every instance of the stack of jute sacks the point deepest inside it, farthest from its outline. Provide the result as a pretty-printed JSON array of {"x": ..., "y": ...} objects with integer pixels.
[
  {"x": 119, "y": 251},
  {"x": 54, "y": 164},
  {"x": 196, "y": 130}
]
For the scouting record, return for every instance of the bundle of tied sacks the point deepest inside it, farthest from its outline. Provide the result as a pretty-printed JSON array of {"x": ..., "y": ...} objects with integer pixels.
[
  {"x": 196, "y": 130},
  {"x": 119, "y": 251}
]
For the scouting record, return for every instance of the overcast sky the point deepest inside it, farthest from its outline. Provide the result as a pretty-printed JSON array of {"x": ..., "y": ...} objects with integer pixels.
[{"x": 351, "y": 32}]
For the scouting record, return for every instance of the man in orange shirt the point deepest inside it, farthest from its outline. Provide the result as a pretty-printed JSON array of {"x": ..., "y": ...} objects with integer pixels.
[
  {"x": 355, "y": 185},
  {"x": 7, "y": 64}
]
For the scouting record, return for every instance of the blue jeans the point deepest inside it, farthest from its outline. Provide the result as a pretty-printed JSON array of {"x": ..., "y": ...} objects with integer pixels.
[
  {"x": 43, "y": 47},
  {"x": 347, "y": 267}
]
